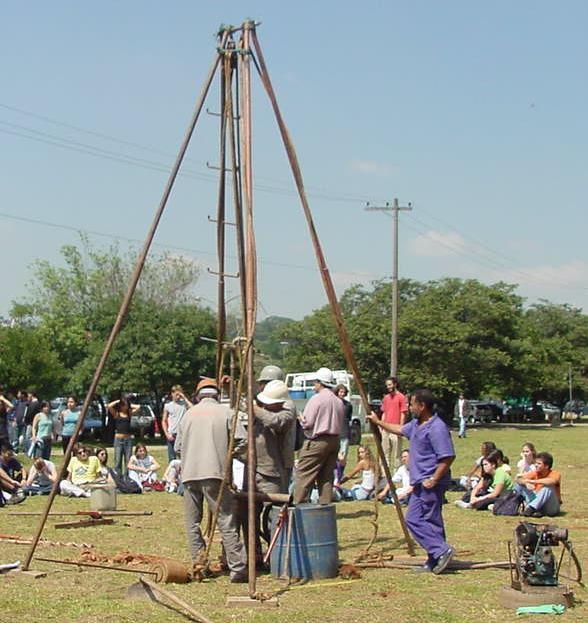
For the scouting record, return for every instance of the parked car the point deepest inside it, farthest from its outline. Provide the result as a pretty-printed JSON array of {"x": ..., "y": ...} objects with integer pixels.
[
  {"x": 144, "y": 421},
  {"x": 574, "y": 410},
  {"x": 480, "y": 412}
]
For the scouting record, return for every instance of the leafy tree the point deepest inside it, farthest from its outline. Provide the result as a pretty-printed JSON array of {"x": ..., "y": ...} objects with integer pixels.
[
  {"x": 76, "y": 306},
  {"x": 28, "y": 361},
  {"x": 555, "y": 337},
  {"x": 453, "y": 335}
]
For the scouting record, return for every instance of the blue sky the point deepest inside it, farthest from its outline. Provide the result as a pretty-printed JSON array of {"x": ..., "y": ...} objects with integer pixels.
[{"x": 474, "y": 112}]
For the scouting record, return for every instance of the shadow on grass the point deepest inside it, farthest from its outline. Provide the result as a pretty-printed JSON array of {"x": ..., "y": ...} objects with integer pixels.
[{"x": 355, "y": 514}]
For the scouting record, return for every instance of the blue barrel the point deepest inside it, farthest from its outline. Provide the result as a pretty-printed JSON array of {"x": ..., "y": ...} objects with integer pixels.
[{"x": 314, "y": 550}]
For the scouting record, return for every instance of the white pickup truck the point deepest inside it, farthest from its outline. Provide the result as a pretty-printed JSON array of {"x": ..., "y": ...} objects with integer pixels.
[{"x": 300, "y": 388}]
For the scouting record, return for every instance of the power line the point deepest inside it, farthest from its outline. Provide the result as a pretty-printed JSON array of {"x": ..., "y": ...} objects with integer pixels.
[
  {"x": 91, "y": 232},
  {"x": 317, "y": 193},
  {"x": 488, "y": 262}
]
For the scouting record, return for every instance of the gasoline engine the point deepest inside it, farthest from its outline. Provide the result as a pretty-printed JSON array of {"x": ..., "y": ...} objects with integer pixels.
[{"x": 535, "y": 561}]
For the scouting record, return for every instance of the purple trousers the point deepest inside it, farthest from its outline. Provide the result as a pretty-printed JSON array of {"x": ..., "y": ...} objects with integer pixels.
[{"x": 425, "y": 521}]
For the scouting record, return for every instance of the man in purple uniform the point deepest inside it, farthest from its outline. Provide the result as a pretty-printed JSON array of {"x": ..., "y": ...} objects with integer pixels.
[{"x": 431, "y": 455}]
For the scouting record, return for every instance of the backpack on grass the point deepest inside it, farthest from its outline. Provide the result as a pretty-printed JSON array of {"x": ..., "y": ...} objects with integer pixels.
[{"x": 508, "y": 504}]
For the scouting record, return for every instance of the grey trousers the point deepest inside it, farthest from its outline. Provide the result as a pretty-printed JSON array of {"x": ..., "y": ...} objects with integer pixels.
[
  {"x": 316, "y": 463},
  {"x": 194, "y": 493}
]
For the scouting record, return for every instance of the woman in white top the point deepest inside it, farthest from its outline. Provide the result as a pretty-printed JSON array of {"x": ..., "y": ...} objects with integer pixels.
[
  {"x": 143, "y": 467},
  {"x": 527, "y": 462},
  {"x": 366, "y": 464}
]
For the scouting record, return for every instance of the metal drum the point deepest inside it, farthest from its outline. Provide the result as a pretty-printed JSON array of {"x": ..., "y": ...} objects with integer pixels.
[{"x": 308, "y": 548}]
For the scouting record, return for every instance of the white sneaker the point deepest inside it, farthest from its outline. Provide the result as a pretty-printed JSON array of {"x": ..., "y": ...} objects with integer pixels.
[{"x": 462, "y": 504}]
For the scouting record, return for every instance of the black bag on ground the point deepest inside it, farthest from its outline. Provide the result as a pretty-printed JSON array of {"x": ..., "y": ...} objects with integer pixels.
[
  {"x": 124, "y": 483},
  {"x": 508, "y": 504}
]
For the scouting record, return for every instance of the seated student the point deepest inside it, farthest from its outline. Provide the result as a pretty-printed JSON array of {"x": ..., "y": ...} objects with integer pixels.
[
  {"x": 106, "y": 471},
  {"x": 501, "y": 482},
  {"x": 82, "y": 471},
  {"x": 541, "y": 489},
  {"x": 172, "y": 477},
  {"x": 476, "y": 472},
  {"x": 142, "y": 467},
  {"x": 366, "y": 464},
  {"x": 41, "y": 478},
  {"x": 401, "y": 480},
  {"x": 13, "y": 474},
  {"x": 527, "y": 462}
]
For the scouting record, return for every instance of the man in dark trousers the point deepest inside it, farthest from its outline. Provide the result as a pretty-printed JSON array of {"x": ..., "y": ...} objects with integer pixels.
[
  {"x": 321, "y": 420},
  {"x": 431, "y": 455},
  {"x": 203, "y": 442}
]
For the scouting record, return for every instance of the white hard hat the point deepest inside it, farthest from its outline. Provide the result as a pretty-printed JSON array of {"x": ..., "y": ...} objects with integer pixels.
[
  {"x": 325, "y": 377},
  {"x": 273, "y": 392}
]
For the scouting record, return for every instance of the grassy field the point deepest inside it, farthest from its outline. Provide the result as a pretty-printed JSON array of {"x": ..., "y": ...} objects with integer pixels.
[{"x": 67, "y": 594}]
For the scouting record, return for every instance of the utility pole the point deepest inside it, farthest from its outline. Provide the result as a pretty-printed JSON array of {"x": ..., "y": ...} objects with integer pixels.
[
  {"x": 395, "y": 208},
  {"x": 570, "y": 379}
]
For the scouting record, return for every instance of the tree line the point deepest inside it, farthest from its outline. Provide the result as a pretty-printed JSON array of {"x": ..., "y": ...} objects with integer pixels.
[{"x": 454, "y": 335}]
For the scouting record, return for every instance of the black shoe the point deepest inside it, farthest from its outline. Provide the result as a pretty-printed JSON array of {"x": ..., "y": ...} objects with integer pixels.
[
  {"x": 529, "y": 511},
  {"x": 537, "y": 514},
  {"x": 443, "y": 561},
  {"x": 239, "y": 578}
]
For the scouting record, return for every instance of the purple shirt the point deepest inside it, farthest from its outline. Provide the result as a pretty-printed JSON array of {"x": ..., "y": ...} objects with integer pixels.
[
  {"x": 429, "y": 443},
  {"x": 323, "y": 415}
]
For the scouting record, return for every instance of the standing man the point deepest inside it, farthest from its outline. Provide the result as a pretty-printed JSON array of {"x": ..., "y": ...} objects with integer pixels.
[
  {"x": 288, "y": 441},
  {"x": 394, "y": 410},
  {"x": 203, "y": 442},
  {"x": 272, "y": 427},
  {"x": 322, "y": 420},
  {"x": 20, "y": 411},
  {"x": 173, "y": 412},
  {"x": 431, "y": 455},
  {"x": 461, "y": 410}
]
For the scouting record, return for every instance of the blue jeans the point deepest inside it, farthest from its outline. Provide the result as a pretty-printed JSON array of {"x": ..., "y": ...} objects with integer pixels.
[
  {"x": 171, "y": 453},
  {"x": 544, "y": 501},
  {"x": 123, "y": 446},
  {"x": 462, "y": 427}
]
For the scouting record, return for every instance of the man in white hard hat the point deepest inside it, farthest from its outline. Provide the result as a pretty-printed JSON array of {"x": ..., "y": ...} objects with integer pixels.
[
  {"x": 268, "y": 374},
  {"x": 322, "y": 420},
  {"x": 272, "y": 427},
  {"x": 203, "y": 442}
]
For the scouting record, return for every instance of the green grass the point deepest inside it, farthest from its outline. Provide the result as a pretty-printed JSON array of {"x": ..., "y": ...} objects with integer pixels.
[{"x": 89, "y": 596}]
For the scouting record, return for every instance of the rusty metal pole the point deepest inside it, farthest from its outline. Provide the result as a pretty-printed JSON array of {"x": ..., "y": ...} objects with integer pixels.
[
  {"x": 325, "y": 275},
  {"x": 125, "y": 303},
  {"x": 220, "y": 229},
  {"x": 250, "y": 288},
  {"x": 234, "y": 141}
]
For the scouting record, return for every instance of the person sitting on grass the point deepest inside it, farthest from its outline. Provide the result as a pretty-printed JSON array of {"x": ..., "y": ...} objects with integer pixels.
[
  {"x": 366, "y": 464},
  {"x": 41, "y": 478},
  {"x": 540, "y": 489},
  {"x": 172, "y": 477},
  {"x": 527, "y": 462},
  {"x": 105, "y": 470},
  {"x": 13, "y": 474},
  {"x": 401, "y": 480},
  {"x": 500, "y": 482},
  {"x": 143, "y": 467},
  {"x": 83, "y": 470},
  {"x": 471, "y": 479},
  {"x": 10, "y": 490}
]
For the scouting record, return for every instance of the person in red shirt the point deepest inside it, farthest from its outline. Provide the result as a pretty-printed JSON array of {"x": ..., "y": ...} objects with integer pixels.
[
  {"x": 394, "y": 410},
  {"x": 541, "y": 489}
]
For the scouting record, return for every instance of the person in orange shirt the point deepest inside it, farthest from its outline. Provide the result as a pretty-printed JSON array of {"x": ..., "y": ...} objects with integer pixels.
[{"x": 541, "y": 489}]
